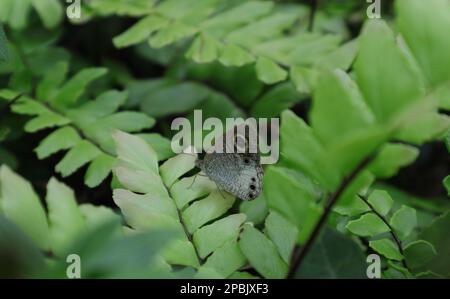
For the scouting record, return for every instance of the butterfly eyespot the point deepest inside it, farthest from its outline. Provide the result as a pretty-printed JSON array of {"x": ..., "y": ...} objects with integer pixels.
[
  {"x": 246, "y": 161},
  {"x": 253, "y": 179},
  {"x": 252, "y": 187},
  {"x": 250, "y": 195}
]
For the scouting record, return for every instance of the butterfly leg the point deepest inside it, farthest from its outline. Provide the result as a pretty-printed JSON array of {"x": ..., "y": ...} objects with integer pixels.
[
  {"x": 195, "y": 176},
  {"x": 220, "y": 191},
  {"x": 193, "y": 181},
  {"x": 221, "y": 194}
]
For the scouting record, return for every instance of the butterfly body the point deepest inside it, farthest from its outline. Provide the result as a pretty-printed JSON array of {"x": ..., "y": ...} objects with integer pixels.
[{"x": 237, "y": 173}]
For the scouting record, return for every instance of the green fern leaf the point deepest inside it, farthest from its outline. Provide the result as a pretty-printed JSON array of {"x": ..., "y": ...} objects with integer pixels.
[
  {"x": 264, "y": 257},
  {"x": 61, "y": 139},
  {"x": 21, "y": 204},
  {"x": 83, "y": 129},
  {"x": 16, "y": 13},
  {"x": 165, "y": 201}
]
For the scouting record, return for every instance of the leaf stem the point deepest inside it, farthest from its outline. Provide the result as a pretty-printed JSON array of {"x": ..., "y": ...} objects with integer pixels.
[
  {"x": 299, "y": 258},
  {"x": 185, "y": 229},
  {"x": 189, "y": 236},
  {"x": 393, "y": 234}
]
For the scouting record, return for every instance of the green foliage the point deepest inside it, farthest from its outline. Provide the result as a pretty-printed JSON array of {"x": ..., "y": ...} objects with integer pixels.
[
  {"x": 271, "y": 259},
  {"x": 355, "y": 109},
  {"x": 236, "y": 34},
  {"x": 84, "y": 128},
  {"x": 362, "y": 126},
  {"x": 92, "y": 232},
  {"x": 381, "y": 201},
  {"x": 102, "y": 248},
  {"x": 334, "y": 256},
  {"x": 387, "y": 248},
  {"x": 296, "y": 200},
  {"x": 392, "y": 157},
  {"x": 21, "y": 204},
  {"x": 16, "y": 13},
  {"x": 415, "y": 251},
  {"x": 167, "y": 202},
  {"x": 447, "y": 184},
  {"x": 435, "y": 235},
  {"x": 151, "y": 98},
  {"x": 272, "y": 267},
  {"x": 350, "y": 122},
  {"x": 368, "y": 225},
  {"x": 403, "y": 221},
  {"x": 412, "y": 19},
  {"x": 3, "y": 45},
  {"x": 27, "y": 262},
  {"x": 65, "y": 219}
]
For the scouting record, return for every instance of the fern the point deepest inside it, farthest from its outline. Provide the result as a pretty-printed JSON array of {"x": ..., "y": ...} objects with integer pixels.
[
  {"x": 162, "y": 205},
  {"x": 407, "y": 254},
  {"x": 276, "y": 243},
  {"x": 150, "y": 96},
  {"x": 32, "y": 54},
  {"x": 155, "y": 197},
  {"x": 353, "y": 122},
  {"x": 323, "y": 207},
  {"x": 83, "y": 128},
  {"x": 16, "y": 13},
  {"x": 400, "y": 224},
  {"x": 53, "y": 232},
  {"x": 346, "y": 146},
  {"x": 216, "y": 90},
  {"x": 236, "y": 34},
  {"x": 434, "y": 234},
  {"x": 93, "y": 232}
]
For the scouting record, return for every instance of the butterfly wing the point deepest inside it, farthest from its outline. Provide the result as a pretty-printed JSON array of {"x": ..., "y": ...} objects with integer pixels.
[
  {"x": 250, "y": 176},
  {"x": 223, "y": 169},
  {"x": 238, "y": 174}
]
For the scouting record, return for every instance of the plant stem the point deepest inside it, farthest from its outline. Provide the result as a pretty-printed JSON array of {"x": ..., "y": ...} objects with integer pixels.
[
  {"x": 299, "y": 258},
  {"x": 393, "y": 234},
  {"x": 189, "y": 236}
]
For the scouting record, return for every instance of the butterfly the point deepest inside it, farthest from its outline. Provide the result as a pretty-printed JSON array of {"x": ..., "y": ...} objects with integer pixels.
[
  {"x": 240, "y": 174},
  {"x": 236, "y": 173}
]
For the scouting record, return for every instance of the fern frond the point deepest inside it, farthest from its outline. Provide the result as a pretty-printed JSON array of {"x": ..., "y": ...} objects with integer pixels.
[
  {"x": 158, "y": 197},
  {"x": 400, "y": 223},
  {"x": 238, "y": 33},
  {"x": 94, "y": 234},
  {"x": 82, "y": 128},
  {"x": 351, "y": 121},
  {"x": 347, "y": 144},
  {"x": 65, "y": 221},
  {"x": 16, "y": 13},
  {"x": 163, "y": 205},
  {"x": 164, "y": 97}
]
